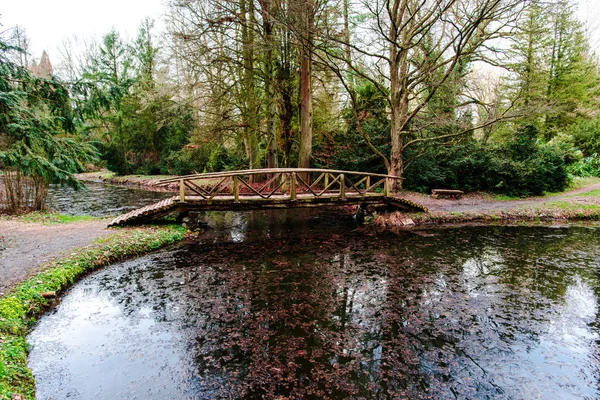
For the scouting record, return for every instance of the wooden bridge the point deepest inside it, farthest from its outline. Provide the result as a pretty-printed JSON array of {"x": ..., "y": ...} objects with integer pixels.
[{"x": 271, "y": 188}]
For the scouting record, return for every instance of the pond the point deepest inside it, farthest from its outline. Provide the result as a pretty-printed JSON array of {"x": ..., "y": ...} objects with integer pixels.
[
  {"x": 296, "y": 305},
  {"x": 100, "y": 199}
]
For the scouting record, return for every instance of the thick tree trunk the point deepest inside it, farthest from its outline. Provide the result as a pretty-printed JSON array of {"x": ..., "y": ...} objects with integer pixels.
[
  {"x": 272, "y": 138},
  {"x": 249, "y": 118},
  {"x": 306, "y": 112},
  {"x": 398, "y": 93}
]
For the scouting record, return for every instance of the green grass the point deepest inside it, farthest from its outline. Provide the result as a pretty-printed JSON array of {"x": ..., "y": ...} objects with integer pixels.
[
  {"x": 566, "y": 206},
  {"x": 21, "y": 305},
  {"x": 576, "y": 183}
]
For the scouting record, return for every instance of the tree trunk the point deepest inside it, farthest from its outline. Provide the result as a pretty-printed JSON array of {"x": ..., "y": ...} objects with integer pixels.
[
  {"x": 398, "y": 96},
  {"x": 306, "y": 112},
  {"x": 249, "y": 122},
  {"x": 272, "y": 138}
]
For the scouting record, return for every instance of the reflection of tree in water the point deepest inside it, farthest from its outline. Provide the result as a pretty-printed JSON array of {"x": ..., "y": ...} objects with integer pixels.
[
  {"x": 321, "y": 324},
  {"x": 348, "y": 315},
  {"x": 271, "y": 326}
]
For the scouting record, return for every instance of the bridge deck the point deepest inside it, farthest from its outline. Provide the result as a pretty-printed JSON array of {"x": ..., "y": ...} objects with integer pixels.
[{"x": 219, "y": 197}]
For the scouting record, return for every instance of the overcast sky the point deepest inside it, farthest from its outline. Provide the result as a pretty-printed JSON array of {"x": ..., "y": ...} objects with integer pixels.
[{"x": 48, "y": 23}]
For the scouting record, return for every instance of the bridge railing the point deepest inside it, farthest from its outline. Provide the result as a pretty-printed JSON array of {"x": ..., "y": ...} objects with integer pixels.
[{"x": 283, "y": 183}]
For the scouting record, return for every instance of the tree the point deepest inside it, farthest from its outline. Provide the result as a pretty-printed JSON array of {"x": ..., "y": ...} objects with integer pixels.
[
  {"x": 553, "y": 76},
  {"x": 106, "y": 81},
  {"x": 307, "y": 11},
  {"x": 36, "y": 142},
  {"x": 128, "y": 105},
  {"x": 571, "y": 73},
  {"x": 410, "y": 50}
]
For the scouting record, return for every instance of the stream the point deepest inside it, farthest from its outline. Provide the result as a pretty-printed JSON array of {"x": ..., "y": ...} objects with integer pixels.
[{"x": 304, "y": 304}]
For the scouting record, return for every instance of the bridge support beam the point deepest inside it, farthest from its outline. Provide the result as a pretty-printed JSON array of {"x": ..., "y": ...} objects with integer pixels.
[
  {"x": 181, "y": 191},
  {"x": 236, "y": 189},
  {"x": 293, "y": 183}
]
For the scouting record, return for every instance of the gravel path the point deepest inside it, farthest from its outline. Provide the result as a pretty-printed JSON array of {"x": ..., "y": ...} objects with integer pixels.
[
  {"x": 26, "y": 246},
  {"x": 478, "y": 204}
]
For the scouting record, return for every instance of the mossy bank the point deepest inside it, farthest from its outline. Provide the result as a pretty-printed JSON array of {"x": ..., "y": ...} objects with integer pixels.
[{"x": 20, "y": 307}]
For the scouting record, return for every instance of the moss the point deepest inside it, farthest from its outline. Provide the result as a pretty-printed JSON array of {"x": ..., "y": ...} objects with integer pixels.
[{"x": 20, "y": 307}]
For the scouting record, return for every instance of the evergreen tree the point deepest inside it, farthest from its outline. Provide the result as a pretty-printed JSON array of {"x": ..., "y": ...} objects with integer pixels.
[{"x": 36, "y": 142}]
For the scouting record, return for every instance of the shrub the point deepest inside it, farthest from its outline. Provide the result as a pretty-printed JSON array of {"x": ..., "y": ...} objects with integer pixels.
[
  {"x": 585, "y": 167},
  {"x": 520, "y": 167},
  {"x": 586, "y": 136}
]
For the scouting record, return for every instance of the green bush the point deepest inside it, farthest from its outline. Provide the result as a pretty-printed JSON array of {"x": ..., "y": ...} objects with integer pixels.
[
  {"x": 586, "y": 136},
  {"x": 519, "y": 167},
  {"x": 588, "y": 166},
  {"x": 462, "y": 166},
  {"x": 201, "y": 158}
]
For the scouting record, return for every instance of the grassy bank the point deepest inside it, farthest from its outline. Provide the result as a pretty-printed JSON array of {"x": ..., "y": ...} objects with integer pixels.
[
  {"x": 20, "y": 307},
  {"x": 559, "y": 211}
]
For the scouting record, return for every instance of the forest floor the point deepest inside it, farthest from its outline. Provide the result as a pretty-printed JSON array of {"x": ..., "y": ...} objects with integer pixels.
[{"x": 27, "y": 243}]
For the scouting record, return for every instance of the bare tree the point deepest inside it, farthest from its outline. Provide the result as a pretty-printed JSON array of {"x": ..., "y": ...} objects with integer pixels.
[{"x": 411, "y": 49}]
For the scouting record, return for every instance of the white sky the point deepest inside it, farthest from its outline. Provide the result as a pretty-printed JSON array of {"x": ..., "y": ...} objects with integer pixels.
[{"x": 48, "y": 23}]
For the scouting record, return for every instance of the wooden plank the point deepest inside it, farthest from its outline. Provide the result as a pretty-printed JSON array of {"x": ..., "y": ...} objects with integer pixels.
[
  {"x": 446, "y": 191},
  {"x": 373, "y": 186},
  {"x": 293, "y": 182},
  {"x": 457, "y": 194},
  {"x": 328, "y": 185},
  {"x": 236, "y": 189}
]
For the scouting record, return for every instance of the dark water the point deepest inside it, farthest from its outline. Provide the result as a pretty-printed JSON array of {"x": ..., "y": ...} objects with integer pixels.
[
  {"x": 100, "y": 200},
  {"x": 282, "y": 307}
]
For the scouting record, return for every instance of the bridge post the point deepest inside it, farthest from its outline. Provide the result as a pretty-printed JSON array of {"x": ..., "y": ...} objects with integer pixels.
[
  {"x": 236, "y": 189},
  {"x": 342, "y": 187},
  {"x": 293, "y": 182},
  {"x": 181, "y": 191},
  {"x": 388, "y": 185}
]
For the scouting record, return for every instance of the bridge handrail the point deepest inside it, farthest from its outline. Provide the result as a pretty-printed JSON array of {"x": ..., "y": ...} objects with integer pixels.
[{"x": 226, "y": 174}]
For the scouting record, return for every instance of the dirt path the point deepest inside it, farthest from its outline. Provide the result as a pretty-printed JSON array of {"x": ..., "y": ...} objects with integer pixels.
[
  {"x": 26, "y": 246},
  {"x": 479, "y": 204}
]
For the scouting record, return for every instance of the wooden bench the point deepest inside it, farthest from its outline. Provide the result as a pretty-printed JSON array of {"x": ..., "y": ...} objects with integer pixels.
[{"x": 455, "y": 194}]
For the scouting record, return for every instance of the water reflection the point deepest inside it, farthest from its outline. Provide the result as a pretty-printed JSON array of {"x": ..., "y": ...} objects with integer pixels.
[{"x": 334, "y": 313}]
